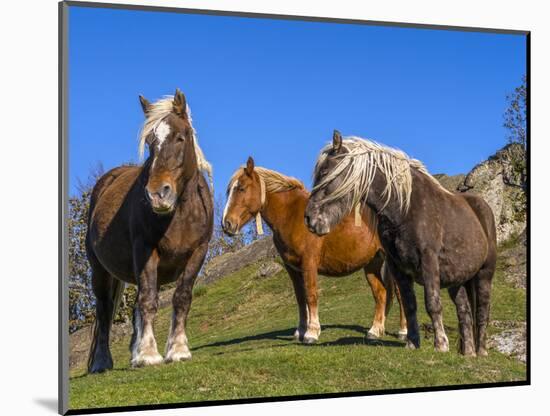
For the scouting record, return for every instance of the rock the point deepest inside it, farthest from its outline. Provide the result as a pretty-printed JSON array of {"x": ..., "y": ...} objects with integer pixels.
[
  {"x": 501, "y": 181},
  {"x": 450, "y": 183},
  {"x": 228, "y": 263},
  {"x": 268, "y": 269},
  {"x": 512, "y": 342},
  {"x": 513, "y": 262},
  {"x": 80, "y": 341}
]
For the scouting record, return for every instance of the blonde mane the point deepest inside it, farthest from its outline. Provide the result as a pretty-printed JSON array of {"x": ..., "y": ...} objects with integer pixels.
[
  {"x": 274, "y": 181},
  {"x": 156, "y": 113},
  {"x": 364, "y": 158}
]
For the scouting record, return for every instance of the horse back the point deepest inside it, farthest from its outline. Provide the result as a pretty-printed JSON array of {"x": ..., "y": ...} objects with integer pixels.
[{"x": 106, "y": 180}]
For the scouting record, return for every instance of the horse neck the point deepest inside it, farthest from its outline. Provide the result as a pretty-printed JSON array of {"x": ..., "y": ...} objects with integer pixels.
[
  {"x": 279, "y": 207},
  {"x": 391, "y": 211},
  {"x": 190, "y": 165}
]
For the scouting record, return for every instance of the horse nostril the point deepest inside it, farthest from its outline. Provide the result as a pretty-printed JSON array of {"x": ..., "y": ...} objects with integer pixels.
[
  {"x": 227, "y": 225},
  {"x": 148, "y": 195},
  {"x": 306, "y": 219},
  {"x": 166, "y": 189}
]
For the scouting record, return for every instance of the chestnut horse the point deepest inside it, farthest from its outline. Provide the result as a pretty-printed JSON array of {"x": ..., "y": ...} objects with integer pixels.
[
  {"x": 150, "y": 225},
  {"x": 281, "y": 201},
  {"x": 430, "y": 235}
]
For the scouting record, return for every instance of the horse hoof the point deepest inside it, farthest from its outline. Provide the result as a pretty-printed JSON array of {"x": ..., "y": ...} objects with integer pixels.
[
  {"x": 176, "y": 356},
  {"x": 143, "y": 360},
  {"x": 309, "y": 339},
  {"x": 402, "y": 335},
  {"x": 411, "y": 345},
  {"x": 373, "y": 336},
  {"x": 299, "y": 334},
  {"x": 97, "y": 369},
  {"x": 442, "y": 345},
  {"x": 482, "y": 352},
  {"x": 100, "y": 365}
]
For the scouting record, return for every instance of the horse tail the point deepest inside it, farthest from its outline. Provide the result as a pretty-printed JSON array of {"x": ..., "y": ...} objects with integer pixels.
[
  {"x": 389, "y": 283},
  {"x": 117, "y": 290}
]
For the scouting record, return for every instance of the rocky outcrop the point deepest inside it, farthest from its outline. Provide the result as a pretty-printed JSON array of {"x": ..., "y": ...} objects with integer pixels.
[
  {"x": 268, "y": 269},
  {"x": 513, "y": 262},
  {"x": 512, "y": 341},
  {"x": 231, "y": 262},
  {"x": 450, "y": 182},
  {"x": 501, "y": 181}
]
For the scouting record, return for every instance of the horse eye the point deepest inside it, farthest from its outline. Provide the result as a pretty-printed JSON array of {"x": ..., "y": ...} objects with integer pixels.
[{"x": 180, "y": 138}]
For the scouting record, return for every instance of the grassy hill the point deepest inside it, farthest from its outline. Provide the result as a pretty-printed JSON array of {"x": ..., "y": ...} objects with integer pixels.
[{"x": 240, "y": 331}]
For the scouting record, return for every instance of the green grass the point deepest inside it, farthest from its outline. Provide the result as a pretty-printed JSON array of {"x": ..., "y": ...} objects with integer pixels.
[{"x": 240, "y": 330}]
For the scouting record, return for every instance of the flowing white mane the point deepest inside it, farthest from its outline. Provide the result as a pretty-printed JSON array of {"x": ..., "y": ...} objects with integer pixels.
[
  {"x": 363, "y": 159},
  {"x": 155, "y": 115}
]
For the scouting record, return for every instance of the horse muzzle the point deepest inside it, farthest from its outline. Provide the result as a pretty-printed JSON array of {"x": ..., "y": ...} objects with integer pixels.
[
  {"x": 230, "y": 228},
  {"x": 317, "y": 224},
  {"x": 162, "y": 203}
]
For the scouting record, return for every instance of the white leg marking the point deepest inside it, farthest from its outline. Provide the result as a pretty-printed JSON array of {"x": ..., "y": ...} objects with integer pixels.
[
  {"x": 137, "y": 331},
  {"x": 144, "y": 349},
  {"x": 177, "y": 348},
  {"x": 313, "y": 329}
]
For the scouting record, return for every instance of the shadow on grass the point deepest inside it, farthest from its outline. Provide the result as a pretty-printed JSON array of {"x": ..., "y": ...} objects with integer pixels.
[
  {"x": 280, "y": 335},
  {"x": 359, "y": 341},
  {"x": 288, "y": 335}
]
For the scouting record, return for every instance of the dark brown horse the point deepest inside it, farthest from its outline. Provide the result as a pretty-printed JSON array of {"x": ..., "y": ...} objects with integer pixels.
[
  {"x": 281, "y": 201},
  {"x": 430, "y": 235},
  {"x": 150, "y": 225}
]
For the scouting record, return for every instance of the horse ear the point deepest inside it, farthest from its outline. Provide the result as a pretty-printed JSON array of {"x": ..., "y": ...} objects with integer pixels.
[
  {"x": 249, "y": 166},
  {"x": 180, "y": 104},
  {"x": 336, "y": 141},
  {"x": 145, "y": 104}
]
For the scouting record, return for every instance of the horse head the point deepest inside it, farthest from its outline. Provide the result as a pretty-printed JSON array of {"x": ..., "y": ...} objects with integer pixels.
[
  {"x": 244, "y": 199},
  {"x": 172, "y": 156}
]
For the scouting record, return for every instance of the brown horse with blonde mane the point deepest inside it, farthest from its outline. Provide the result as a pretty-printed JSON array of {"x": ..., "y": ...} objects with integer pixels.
[
  {"x": 281, "y": 201},
  {"x": 150, "y": 225}
]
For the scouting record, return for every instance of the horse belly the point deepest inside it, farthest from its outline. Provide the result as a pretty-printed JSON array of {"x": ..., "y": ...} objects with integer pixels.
[
  {"x": 118, "y": 262},
  {"x": 347, "y": 254},
  {"x": 460, "y": 263},
  {"x": 108, "y": 234}
]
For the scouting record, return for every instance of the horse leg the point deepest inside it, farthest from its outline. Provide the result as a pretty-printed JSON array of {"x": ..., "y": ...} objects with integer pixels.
[
  {"x": 144, "y": 346},
  {"x": 460, "y": 298},
  {"x": 483, "y": 299},
  {"x": 406, "y": 289},
  {"x": 379, "y": 293},
  {"x": 100, "y": 356},
  {"x": 432, "y": 300},
  {"x": 177, "y": 347},
  {"x": 402, "y": 334},
  {"x": 299, "y": 290},
  {"x": 313, "y": 325}
]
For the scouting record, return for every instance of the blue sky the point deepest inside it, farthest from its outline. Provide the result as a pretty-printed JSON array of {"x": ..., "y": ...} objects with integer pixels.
[{"x": 276, "y": 89}]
